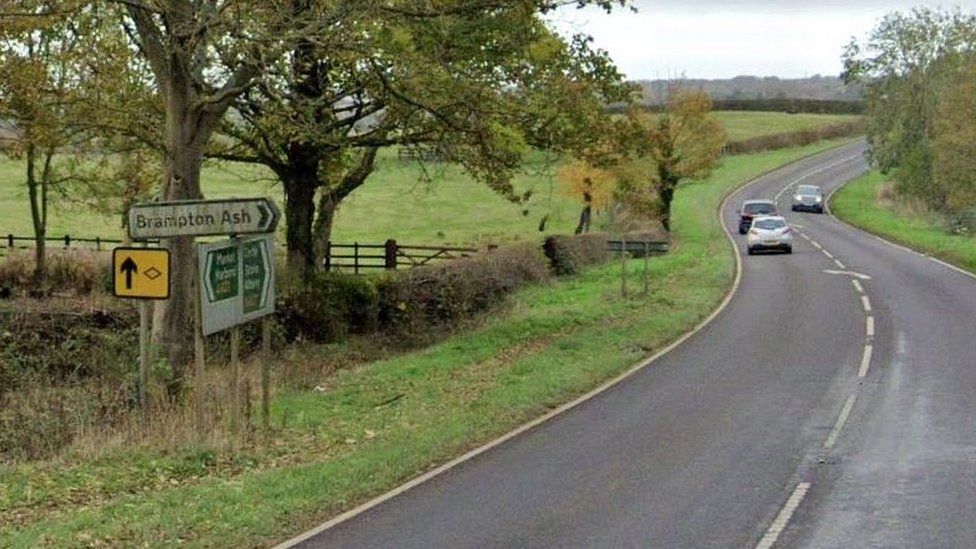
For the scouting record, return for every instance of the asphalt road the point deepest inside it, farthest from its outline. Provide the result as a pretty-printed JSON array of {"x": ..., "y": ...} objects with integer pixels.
[{"x": 774, "y": 424}]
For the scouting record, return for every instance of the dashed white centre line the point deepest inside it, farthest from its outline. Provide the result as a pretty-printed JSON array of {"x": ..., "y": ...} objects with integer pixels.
[
  {"x": 828, "y": 254},
  {"x": 841, "y": 421},
  {"x": 784, "y": 516},
  {"x": 865, "y": 361},
  {"x": 839, "y": 264},
  {"x": 857, "y": 286},
  {"x": 867, "y": 303},
  {"x": 805, "y": 237},
  {"x": 816, "y": 244},
  {"x": 869, "y": 329}
]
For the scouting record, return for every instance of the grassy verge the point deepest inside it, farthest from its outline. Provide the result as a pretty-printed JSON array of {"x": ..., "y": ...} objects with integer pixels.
[
  {"x": 373, "y": 427},
  {"x": 862, "y": 203}
]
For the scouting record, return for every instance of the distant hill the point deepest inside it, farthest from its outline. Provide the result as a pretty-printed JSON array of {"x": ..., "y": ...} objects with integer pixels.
[{"x": 817, "y": 87}]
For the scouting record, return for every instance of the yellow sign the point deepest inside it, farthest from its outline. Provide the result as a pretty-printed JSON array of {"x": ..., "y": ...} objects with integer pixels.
[{"x": 141, "y": 273}]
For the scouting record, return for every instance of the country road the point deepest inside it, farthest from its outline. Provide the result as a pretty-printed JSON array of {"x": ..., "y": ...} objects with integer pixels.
[{"x": 821, "y": 408}]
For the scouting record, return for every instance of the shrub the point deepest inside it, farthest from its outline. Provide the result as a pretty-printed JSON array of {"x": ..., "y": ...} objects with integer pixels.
[
  {"x": 568, "y": 255},
  {"x": 328, "y": 306},
  {"x": 77, "y": 271},
  {"x": 442, "y": 294},
  {"x": 796, "y": 138}
]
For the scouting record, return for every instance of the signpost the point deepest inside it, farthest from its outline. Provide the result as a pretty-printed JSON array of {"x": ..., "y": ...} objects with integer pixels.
[
  {"x": 235, "y": 277},
  {"x": 143, "y": 274},
  {"x": 234, "y": 216},
  {"x": 627, "y": 247}
]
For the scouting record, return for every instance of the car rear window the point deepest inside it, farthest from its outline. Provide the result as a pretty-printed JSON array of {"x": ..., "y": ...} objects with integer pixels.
[
  {"x": 759, "y": 208},
  {"x": 806, "y": 190},
  {"x": 769, "y": 224}
]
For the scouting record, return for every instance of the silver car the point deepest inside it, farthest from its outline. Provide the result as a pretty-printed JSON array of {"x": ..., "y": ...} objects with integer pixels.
[
  {"x": 808, "y": 198},
  {"x": 769, "y": 232}
]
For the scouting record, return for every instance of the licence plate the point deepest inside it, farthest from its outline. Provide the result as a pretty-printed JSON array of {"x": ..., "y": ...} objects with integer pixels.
[{"x": 770, "y": 242}]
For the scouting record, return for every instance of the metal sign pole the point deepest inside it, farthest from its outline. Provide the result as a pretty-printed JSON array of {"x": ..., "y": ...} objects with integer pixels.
[
  {"x": 143, "y": 358},
  {"x": 623, "y": 266},
  {"x": 235, "y": 374},
  {"x": 265, "y": 366},
  {"x": 199, "y": 349}
]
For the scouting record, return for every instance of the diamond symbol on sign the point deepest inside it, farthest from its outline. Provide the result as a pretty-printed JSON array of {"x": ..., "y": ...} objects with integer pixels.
[{"x": 152, "y": 273}]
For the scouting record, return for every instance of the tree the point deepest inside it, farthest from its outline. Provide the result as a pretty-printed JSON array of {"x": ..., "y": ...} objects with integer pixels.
[
  {"x": 593, "y": 186},
  {"x": 905, "y": 64},
  {"x": 954, "y": 141},
  {"x": 682, "y": 143},
  {"x": 478, "y": 83}
]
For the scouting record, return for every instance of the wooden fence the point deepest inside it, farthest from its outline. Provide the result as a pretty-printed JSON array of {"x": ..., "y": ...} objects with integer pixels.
[
  {"x": 389, "y": 256},
  {"x": 12, "y": 242}
]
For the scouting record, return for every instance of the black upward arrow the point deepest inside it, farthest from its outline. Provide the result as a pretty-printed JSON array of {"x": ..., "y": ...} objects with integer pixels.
[{"x": 129, "y": 267}]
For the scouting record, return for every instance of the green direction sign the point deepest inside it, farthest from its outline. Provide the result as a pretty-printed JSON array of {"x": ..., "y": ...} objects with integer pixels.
[
  {"x": 256, "y": 274},
  {"x": 222, "y": 278},
  {"x": 236, "y": 281}
]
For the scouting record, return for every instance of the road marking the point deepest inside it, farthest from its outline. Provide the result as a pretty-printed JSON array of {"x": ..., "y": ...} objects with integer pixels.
[
  {"x": 839, "y": 264},
  {"x": 865, "y": 361},
  {"x": 816, "y": 244},
  {"x": 815, "y": 172},
  {"x": 841, "y": 421},
  {"x": 870, "y": 327},
  {"x": 805, "y": 237},
  {"x": 784, "y": 516},
  {"x": 857, "y": 285},
  {"x": 862, "y": 276},
  {"x": 828, "y": 254},
  {"x": 867, "y": 303}
]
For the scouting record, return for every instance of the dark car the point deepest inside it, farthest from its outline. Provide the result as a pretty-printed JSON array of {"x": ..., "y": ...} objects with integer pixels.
[
  {"x": 753, "y": 208},
  {"x": 808, "y": 198}
]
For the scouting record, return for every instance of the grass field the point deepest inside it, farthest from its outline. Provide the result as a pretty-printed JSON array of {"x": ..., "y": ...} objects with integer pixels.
[
  {"x": 860, "y": 203},
  {"x": 395, "y": 202},
  {"x": 378, "y": 425}
]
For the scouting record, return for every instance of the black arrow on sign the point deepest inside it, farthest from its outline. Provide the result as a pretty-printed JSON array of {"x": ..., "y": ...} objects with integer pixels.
[
  {"x": 264, "y": 216},
  {"x": 129, "y": 267}
]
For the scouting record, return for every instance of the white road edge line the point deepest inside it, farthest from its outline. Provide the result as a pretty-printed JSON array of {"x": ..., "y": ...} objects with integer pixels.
[
  {"x": 784, "y": 516},
  {"x": 867, "y": 303},
  {"x": 839, "y": 264},
  {"x": 857, "y": 286},
  {"x": 841, "y": 421},
  {"x": 869, "y": 328},
  {"x": 865, "y": 361}
]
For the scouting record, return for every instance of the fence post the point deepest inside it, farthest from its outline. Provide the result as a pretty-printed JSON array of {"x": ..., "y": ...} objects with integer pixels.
[
  {"x": 67, "y": 241},
  {"x": 328, "y": 255},
  {"x": 10, "y": 241},
  {"x": 355, "y": 257},
  {"x": 98, "y": 243},
  {"x": 391, "y": 255}
]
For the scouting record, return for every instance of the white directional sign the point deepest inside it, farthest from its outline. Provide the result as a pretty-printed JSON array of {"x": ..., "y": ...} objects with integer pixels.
[
  {"x": 203, "y": 217},
  {"x": 236, "y": 281}
]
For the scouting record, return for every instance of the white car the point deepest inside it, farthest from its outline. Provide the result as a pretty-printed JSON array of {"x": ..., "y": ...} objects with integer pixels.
[{"x": 769, "y": 232}]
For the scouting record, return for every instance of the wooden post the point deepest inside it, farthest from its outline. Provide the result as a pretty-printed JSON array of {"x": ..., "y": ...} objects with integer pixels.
[
  {"x": 328, "y": 255},
  {"x": 235, "y": 382},
  {"x": 390, "y": 257},
  {"x": 10, "y": 241},
  {"x": 355, "y": 258},
  {"x": 143, "y": 358},
  {"x": 623, "y": 266},
  {"x": 647, "y": 253},
  {"x": 198, "y": 357},
  {"x": 265, "y": 367}
]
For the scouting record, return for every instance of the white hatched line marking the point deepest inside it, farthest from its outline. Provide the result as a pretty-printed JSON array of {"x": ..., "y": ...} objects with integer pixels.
[
  {"x": 784, "y": 516},
  {"x": 839, "y": 264},
  {"x": 841, "y": 421},
  {"x": 865, "y": 361}
]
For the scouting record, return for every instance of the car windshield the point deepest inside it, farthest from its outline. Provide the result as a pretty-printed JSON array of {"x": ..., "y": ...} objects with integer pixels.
[
  {"x": 808, "y": 190},
  {"x": 769, "y": 224},
  {"x": 759, "y": 208}
]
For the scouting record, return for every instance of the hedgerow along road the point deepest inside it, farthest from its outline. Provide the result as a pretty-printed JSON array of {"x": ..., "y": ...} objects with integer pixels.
[{"x": 828, "y": 405}]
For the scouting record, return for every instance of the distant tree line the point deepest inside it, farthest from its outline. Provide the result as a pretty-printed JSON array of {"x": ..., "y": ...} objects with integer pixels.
[
  {"x": 788, "y": 105},
  {"x": 919, "y": 69}
]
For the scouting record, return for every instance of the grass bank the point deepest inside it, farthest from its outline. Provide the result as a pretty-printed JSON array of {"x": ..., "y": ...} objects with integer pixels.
[
  {"x": 867, "y": 203},
  {"x": 365, "y": 430}
]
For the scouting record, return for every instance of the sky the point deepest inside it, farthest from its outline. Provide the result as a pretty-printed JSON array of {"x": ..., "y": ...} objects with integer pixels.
[{"x": 722, "y": 39}]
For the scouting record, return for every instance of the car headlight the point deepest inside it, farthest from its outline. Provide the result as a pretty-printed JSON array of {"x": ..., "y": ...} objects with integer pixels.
[
  {"x": 818, "y": 199},
  {"x": 798, "y": 198}
]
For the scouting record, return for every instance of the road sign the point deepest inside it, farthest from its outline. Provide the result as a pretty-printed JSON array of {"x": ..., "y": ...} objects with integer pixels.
[
  {"x": 141, "y": 273},
  {"x": 236, "y": 281},
  {"x": 235, "y": 216},
  {"x": 637, "y": 246}
]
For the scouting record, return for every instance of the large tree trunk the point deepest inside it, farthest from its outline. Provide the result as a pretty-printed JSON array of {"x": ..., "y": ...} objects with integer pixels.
[
  {"x": 323, "y": 224},
  {"x": 300, "y": 188}
]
